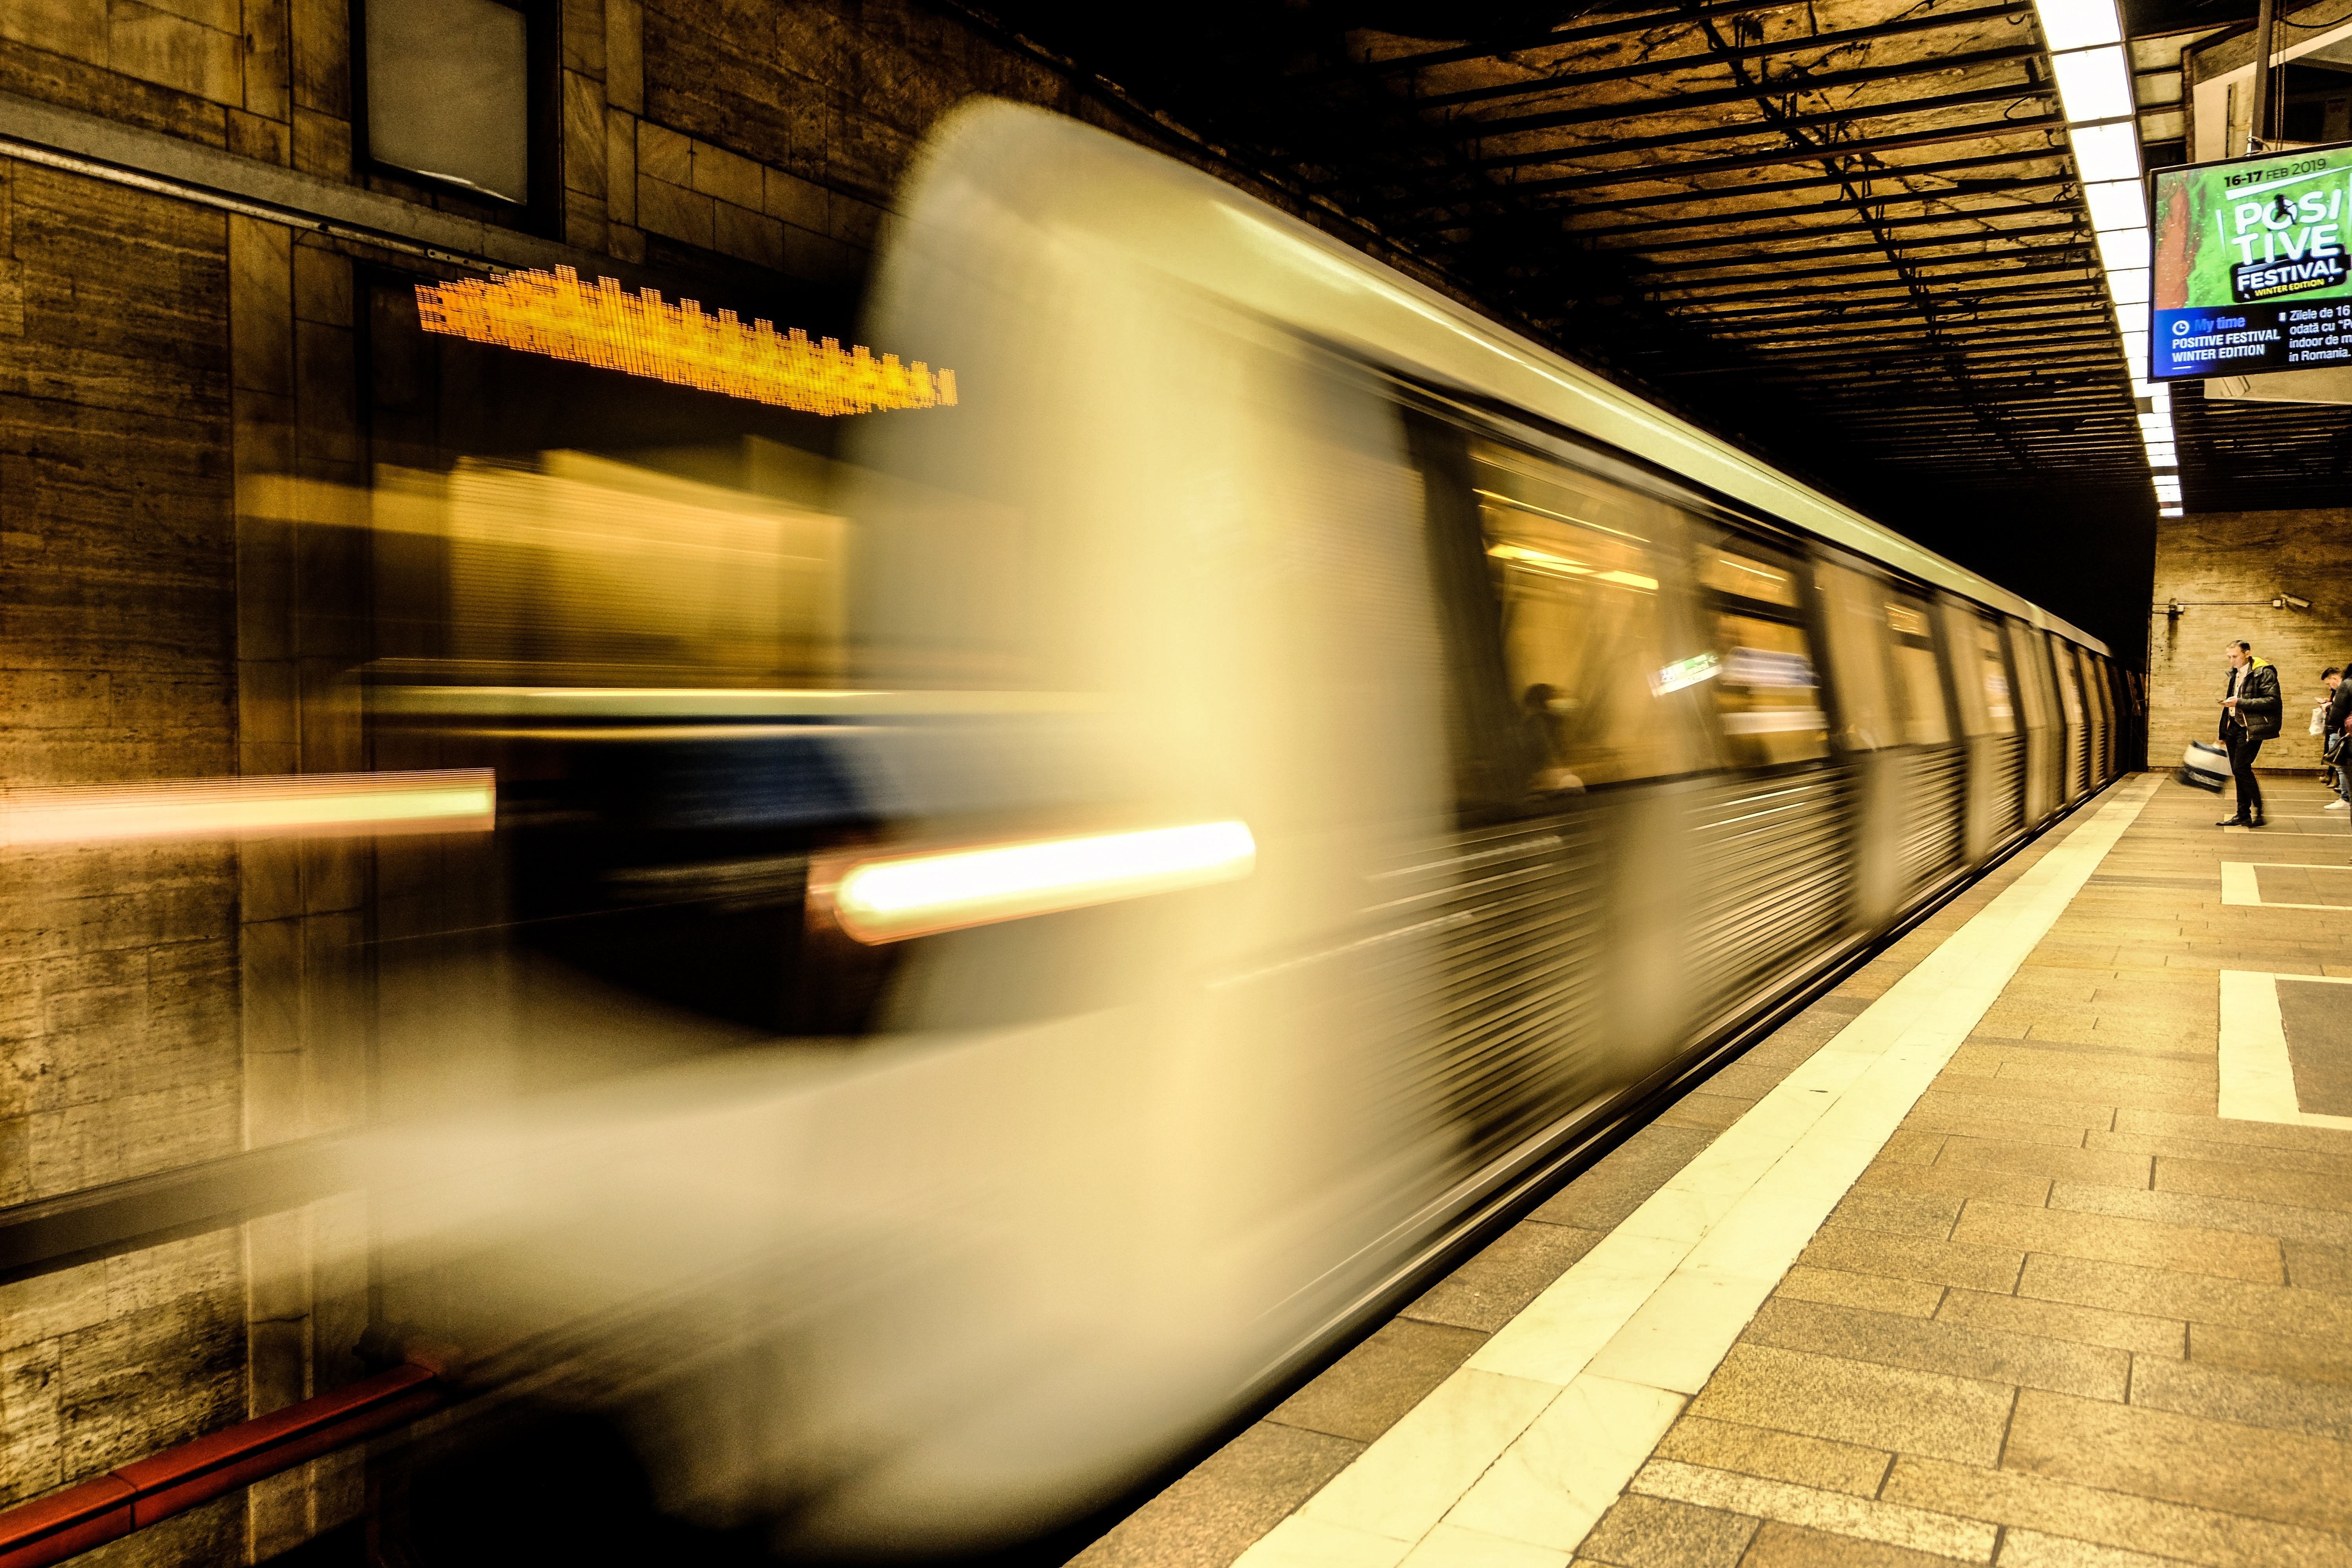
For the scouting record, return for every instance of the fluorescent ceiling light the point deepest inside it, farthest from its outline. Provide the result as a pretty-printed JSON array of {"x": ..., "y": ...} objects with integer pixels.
[
  {"x": 2093, "y": 84},
  {"x": 2106, "y": 152},
  {"x": 2079, "y": 24},
  {"x": 2164, "y": 456},
  {"x": 2123, "y": 249},
  {"x": 2128, "y": 287},
  {"x": 2134, "y": 349},
  {"x": 2117, "y": 204},
  {"x": 2167, "y": 511},
  {"x": 890, "y": 898}
]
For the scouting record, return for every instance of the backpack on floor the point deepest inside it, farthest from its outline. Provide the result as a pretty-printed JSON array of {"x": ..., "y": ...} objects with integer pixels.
[{"x": 2204, "y": 766}]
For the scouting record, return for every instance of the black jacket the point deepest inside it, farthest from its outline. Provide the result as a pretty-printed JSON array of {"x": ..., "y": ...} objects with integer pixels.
[
  {"x": 2339, "y": 704},
  {"x": 2257, "y": 702}
]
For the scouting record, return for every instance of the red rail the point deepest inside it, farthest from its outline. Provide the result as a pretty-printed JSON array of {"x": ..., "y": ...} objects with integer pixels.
[{"x": 145, "y": 1490}]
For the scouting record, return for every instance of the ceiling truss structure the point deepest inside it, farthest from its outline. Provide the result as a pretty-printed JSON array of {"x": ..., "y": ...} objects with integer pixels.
[{"x": 1846, "y": 231}]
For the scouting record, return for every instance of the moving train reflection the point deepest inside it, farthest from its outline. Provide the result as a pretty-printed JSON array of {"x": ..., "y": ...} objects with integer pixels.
[{"x": 1004, "y": 940}]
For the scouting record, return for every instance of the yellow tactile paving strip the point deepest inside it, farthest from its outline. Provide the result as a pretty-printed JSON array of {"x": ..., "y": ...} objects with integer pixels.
[{"x": 2061, "y": 1280}]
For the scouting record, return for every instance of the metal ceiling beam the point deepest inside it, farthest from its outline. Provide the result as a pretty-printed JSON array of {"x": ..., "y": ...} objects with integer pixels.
[
  {"x": 1532, "y": 39},
  {"x": 1759, "y": 235},
  {"x": 1834, "y": 290},
  {"x": 1469, "y": 128},
  {"x": 1813, "y": 209},
  {"x": 1664, "y": 65},
  {"x": 1645, "y": 266},
  {"x": 1982, "y": 130}
]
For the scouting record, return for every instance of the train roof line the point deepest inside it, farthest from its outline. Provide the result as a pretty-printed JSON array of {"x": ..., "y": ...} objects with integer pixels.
[{"x": 1068, "y": 177}]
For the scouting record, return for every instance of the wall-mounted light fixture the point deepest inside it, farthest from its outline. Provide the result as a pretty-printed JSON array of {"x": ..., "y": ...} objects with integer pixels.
[{"x": 554, "y": 313}]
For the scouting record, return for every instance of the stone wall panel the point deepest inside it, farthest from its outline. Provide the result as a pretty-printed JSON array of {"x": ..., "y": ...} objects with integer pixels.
[{"x": 2224, "y": 568}]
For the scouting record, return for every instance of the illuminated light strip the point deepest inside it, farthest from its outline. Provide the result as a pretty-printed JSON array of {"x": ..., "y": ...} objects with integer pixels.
[
  {"x": 554, "y": 313},
  {"x": 2091, "y": 62},
  {"x": 454, "y": 800},
  {"x": 891, "y": 897},
  {"x": 716, "y": 701},
  {"x": 1541, "y": 560}
]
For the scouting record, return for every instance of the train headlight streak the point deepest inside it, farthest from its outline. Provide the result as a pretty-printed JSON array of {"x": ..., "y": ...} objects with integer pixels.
[{"x": 889, "y": 899}]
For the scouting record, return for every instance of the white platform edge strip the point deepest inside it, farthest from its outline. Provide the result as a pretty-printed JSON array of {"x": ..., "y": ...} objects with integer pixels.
[
  {"x": 2257, "y": 1075},
  {"x": 1512, "y": 1460}
]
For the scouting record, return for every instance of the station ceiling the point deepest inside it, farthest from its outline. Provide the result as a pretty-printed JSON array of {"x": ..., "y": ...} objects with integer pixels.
[{"x": 1846, "y": 231}]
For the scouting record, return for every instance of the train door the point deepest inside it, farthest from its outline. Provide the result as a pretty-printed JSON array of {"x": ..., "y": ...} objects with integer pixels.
[
  {"x": 2037, "y": 711},
  {"x": 1867, "y": 729},
  {"x": 2074, "y": 777},
  {"x": 1771, "y": 844},
  {"x": 2113, "y": 690},
  {"x": 1934, "y": 772},
  {"x": 1553, "y": 906},
  {"x": 1988, "y": 711},
  {"x": 2094, "y": 709},
  {"x": 2085, "y": 665}
]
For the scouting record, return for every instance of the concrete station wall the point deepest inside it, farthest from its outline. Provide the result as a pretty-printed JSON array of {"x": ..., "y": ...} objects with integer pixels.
[
  {"x": 158, "y": 359},
  {"x": 2224, "y": 568}
]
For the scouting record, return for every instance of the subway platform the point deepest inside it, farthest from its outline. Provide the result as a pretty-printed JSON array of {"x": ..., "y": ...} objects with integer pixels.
[{"x": 2029, "y": 1245}]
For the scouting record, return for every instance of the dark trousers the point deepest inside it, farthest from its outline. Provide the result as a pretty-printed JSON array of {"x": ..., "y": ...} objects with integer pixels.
[{"x": 2242, "y": 754}]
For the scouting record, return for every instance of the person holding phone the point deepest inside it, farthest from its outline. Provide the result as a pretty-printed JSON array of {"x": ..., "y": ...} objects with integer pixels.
[{"x": 2250, "y": 715}]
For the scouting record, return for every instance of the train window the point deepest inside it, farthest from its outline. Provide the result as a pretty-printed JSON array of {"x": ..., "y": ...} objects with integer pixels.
[
  {"x": 1919, "y": 682},
  {"x": 1768, "y": 694},
  {"x": 1868, "y": 716},
  {"x": 1993, "y": 672},
  {"x": 1577, "y": 578}
]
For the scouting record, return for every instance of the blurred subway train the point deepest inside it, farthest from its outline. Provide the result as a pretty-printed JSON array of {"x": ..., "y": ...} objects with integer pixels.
[{"x": 1008, "y": 939}]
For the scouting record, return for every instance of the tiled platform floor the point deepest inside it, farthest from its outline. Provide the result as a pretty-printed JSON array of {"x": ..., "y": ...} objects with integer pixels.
[{"x": 2068, "y": 1315}]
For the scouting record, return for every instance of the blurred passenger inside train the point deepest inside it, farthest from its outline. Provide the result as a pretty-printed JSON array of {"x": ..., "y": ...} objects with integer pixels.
[{"x": 2250, "y": 715}]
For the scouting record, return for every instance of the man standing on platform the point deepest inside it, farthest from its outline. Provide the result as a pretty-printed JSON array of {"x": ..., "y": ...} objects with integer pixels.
[{"x": 2250, "y": 715}]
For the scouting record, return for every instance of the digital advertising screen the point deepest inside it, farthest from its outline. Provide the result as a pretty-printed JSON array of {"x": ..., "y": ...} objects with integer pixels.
[{"x": 2250, "y": 274}]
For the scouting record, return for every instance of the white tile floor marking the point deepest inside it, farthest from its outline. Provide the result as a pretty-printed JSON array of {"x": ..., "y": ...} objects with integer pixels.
[
  {"x": 2257, "y": 1078},
  {"x": 2238, "y": 887},
  {"x": 1514, "y": 1457}
]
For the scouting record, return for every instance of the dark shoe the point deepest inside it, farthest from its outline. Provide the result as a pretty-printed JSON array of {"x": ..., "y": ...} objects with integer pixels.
[
  {"x": 2233, "y": 822},
  {"x": 2258, "y": 820}
]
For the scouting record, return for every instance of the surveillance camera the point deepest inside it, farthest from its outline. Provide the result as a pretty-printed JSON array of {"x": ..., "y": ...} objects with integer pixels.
[{"x": 2296, "y": 602}]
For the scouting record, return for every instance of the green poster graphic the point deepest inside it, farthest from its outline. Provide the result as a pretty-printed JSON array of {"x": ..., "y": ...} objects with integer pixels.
[{"x": 2265, "y": 230}]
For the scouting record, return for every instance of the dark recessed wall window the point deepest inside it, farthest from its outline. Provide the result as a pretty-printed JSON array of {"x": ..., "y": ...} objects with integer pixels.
[{"x": 448, "y": 93}]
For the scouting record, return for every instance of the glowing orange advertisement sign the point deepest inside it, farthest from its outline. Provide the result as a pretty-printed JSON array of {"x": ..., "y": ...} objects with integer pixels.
[{"x": 554, "y": 313}]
